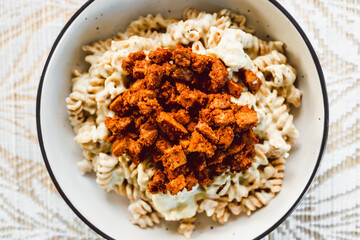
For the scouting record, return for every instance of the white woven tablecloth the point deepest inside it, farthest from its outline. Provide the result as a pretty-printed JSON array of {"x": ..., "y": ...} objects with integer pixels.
[{"x": 31, "y": 208}]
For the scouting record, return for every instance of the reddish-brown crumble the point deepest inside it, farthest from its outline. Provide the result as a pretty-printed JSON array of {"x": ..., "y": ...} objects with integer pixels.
[{"x": 177, "y": 112}]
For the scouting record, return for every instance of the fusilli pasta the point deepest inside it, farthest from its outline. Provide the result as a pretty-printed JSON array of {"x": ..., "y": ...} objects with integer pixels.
[{"x": 223, "y": 35}]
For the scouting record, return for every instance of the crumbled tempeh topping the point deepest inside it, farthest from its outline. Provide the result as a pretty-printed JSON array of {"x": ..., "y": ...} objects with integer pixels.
[{"x": 177, "y": 111}]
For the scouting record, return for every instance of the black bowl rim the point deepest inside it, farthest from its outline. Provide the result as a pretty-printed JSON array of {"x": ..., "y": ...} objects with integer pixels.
[{"x": 323, "y": 142}]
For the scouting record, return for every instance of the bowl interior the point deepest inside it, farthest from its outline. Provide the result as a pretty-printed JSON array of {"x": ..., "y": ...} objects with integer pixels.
[{"x": 108, "y": 211}]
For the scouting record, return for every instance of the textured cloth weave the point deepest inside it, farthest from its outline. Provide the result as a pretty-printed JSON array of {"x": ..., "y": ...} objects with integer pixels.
[{"x": 31, "y": 208}]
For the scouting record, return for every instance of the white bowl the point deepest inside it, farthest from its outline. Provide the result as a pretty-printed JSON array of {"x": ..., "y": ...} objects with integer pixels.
[{"x": 107, "y": 213}]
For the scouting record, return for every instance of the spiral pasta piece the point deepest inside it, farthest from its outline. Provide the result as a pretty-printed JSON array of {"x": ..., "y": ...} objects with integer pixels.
[{"x": 150, "y": 23}]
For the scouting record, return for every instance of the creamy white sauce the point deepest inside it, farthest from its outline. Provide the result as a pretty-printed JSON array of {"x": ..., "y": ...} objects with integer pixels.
[
  {"x": 182, "y": 205},
  {"x": 231, "y": 52},
  {"x": 246, "y": 98}
]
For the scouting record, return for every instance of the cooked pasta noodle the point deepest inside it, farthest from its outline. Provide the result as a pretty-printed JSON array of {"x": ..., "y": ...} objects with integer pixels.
[{"x": 144, "y": 24}]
